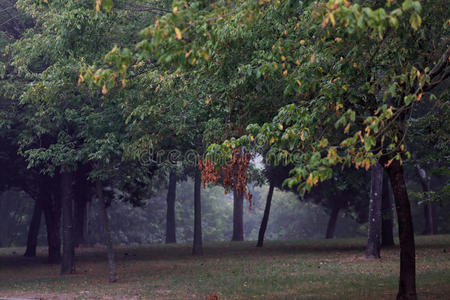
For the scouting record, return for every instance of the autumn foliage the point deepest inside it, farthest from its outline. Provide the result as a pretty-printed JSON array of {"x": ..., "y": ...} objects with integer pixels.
[{"x": 234, "y": 173}]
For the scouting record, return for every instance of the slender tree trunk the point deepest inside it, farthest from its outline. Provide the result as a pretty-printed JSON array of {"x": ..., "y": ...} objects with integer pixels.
[
  {"x": 374, "y": 232},
  {"x": 428, "y": 207},
  {"x": 4, "y": 220},
  {"x": 407, "y": 282},
  {"x": 198, "y": 243},
  {"x": 238, "y": 216},
  {"x": 33, "y": 230},
  {"x": 170, "y": 218},
  {"x": 67, "y": 263},
  {"x": 387, "y": 215},
  {"x": 52, "y": 213},
  {"x": 81, "y": 199},
  {"x": 265, "y": 219},
  {"x": 331, "y": 227},
  {"x": 86, "y": 225},
  {"x": 107, "y": 233}
]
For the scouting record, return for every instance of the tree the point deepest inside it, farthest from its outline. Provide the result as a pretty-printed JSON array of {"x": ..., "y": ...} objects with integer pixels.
[
  {"x": 374, "y": 232},
  {"x": 335, "y": 84},
  {"x": 106, "y": 232},
  {"x": 64, "y": 126},
  {"x": 265, "y": 219},
  {"x": 170, "y": 219},
  {"x": 197, "y": 248},
  {"x": 387, "y": 221},
  {"x": 67, "y": 262}
]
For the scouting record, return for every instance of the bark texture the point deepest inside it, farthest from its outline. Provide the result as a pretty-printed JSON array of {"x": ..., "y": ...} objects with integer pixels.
[
  {"x": 106, "y": 233},
  {"x": 387, "y": 215},
  {"x": 428, "y": 207},
  {"x": 33, "y": 230},
  {"x": 82, "y": 195},
  {"x": 170, "y": 218},
  {"x": 407, "y": 282},
  {"x": 67, "y": 263},
  {"x": 52, "y": 213},
  {"x": 238, "y": 216},
  {"x": 331, "y": 227},
  {"x": 265, "y": 219},
  {"x": 374, "y": 231},
  {"x": 197, "y": 248}
]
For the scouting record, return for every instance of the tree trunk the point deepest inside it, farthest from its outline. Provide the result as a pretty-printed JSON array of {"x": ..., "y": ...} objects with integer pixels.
[
  {"x": 198, "y": 244},
  {"x": 407, "y": 282},
  {"x": 387, "y": 215},
  {"x": 428, "y": 207},
  {"x": 81, "y": 200},
  {"x": 52, "y": 213},
  {"x": 374, "y": 232},
  {"x": 170, "y": 218},
  {"x": 33, "y": 230},
  {"x": 331, "y": 227},
  {"x": 238, "y": 216},
  {"x": 4, "y": 220},
  {"x": 106, "y": 232},
  {"x": 86, "y": 225},
  {"x": 67, "y": 263},
  {"x": 265, "y": 219}
]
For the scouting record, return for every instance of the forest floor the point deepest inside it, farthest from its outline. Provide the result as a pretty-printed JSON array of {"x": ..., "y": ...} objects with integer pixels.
[{"x": 323, "y": 269}]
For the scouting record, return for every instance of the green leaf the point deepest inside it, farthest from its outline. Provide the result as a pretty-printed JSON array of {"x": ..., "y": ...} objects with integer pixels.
[
  {"x": 415, "y": 21},
  {"x": 107, "y": 5}
]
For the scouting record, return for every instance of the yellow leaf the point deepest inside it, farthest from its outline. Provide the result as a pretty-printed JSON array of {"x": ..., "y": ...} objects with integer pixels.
[
  {"x": 313, "y": 57},
  {"x": 188, "y": 53},
  {"x": 389, "y": 163},
  {"x": 104, "y": 89},
  {"x": 419, "y": 97},
  {"x": 283, "y": 58},
  {"x": 298, "y": 82},
  {"x": 285, "y": 73},
  {"x": 98, "y": 3},
  {"x": 347, "y": 128},
  {"x": 280, "y": 126},
  {"x": 366, "y": 163},
  {"x": 338, "y": 39},
  {"x": 175, "y": 10},
  {"x": 207, "y": 101},
  {"x": 206, "y": 55},
  {"x": 333, "y": 21},
  {"x": 323, "y": 143},
  {"x": 302, "y": 42},
  {"x": 309, "y": 180},
  {"x": 80, "y": 79},
  {"x": 178, "y": 33},
  {"x": 272, "y": 140}
]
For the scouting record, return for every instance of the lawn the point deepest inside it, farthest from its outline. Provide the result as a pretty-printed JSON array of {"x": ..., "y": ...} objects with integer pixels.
[{"x": 333, "y": 269}]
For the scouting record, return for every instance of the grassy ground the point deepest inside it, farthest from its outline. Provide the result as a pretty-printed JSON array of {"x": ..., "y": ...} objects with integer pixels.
[{"x": 281, "y": 270}]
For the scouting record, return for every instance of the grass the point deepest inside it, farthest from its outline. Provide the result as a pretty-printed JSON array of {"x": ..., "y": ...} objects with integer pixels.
[{"x": 333, "y": 269}]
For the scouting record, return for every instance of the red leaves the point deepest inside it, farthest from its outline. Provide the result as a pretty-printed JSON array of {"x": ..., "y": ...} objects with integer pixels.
[
  {"x": 213, "y": 297},
  {"x": 234, "y": 174}
]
